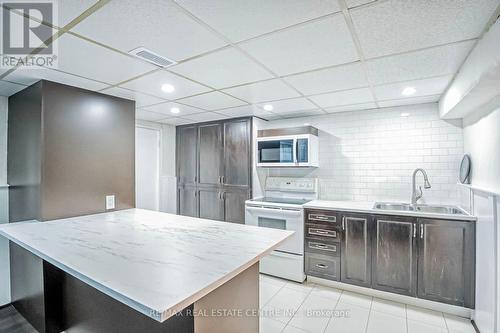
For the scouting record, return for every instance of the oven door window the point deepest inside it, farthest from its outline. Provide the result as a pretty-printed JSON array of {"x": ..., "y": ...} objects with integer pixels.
[
  {"x": 276, "y": 151},
  {"x": 272, "y": 223},
  {"x": 302, "y": 150}
]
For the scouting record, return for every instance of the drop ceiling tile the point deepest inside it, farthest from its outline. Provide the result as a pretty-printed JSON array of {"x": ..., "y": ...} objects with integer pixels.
[
  {"x": 245, "y": 110},
  {"x": 356, "y": 3},
  {"x": 243, "y": 19},
  {"x": 442, "y": 60},
  {"x": 176, "y": 121},
  {"x": 140, "y": 99},
  {"x": 9, "y": 88},
  {"x": 314, "y": 45},
  {"x": 70, "y": 9},
  {"x": 425, "y": 87},
  {"x": 353, "y": 107},
  {"x": 79, "y": 57},
  {"x": 165, "y": 108},
  {"x": 410, "y": 101},
  {"x": 28, "y": 76},
  {"x": 290, "y": 105},
  {"x": 152, "y": 83},
  {"x": 330, "y": 79},
  {"x": 263, "y": 91},
  {"x": 207, "y": 116},
  {"x": 346, "y": 97},
  {"x": 158, "y": 25},
  {"x": 150, "y": 116},
  {"x": 224, "y": 68},
  {"x": 393, "y": 26},
  {"x": 307, "y": 113},
  {"x": 212, "y": 101}
]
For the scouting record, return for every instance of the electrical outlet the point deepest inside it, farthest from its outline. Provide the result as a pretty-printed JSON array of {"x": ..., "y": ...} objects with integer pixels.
[{"x": 110, "y": 202}]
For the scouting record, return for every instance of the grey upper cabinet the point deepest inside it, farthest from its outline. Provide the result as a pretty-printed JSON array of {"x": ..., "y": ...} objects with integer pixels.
[
  {"x": 394, "y": 255},
  {"x": 356, "y": 250},
  {"x": 237, "y": 152},
  {"x": 210, "y": 154},
  {"x": 446, "y": 261},
  {"x": 215, "y": 159},
  {"x": 211, "y": 204},
  {"x": 186, "y": 152},
  {"x": 187, "y": 201}
]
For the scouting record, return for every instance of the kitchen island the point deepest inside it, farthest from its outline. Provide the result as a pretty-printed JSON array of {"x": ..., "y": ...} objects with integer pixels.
[{"x": 138, "y": 271}]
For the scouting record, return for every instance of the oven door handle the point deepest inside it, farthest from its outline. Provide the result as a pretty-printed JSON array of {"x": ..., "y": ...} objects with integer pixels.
[{"x": 273, "y": 210}]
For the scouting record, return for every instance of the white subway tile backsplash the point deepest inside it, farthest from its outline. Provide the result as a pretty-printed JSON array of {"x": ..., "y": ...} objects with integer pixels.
[{"x": 370, "y": 155}]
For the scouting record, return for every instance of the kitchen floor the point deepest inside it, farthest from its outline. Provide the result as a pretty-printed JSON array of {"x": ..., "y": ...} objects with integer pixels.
[{"x": 290, "y": 307}]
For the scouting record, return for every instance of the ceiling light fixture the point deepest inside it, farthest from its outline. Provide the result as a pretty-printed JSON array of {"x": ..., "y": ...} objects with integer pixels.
[
  {"x": 168, "y": 88},
  {"x": 268, "y": 107},
  {"x": 405, "y": 114},
  {"x": 175, "y": 110},
  {"x": 408, "y": 91}
]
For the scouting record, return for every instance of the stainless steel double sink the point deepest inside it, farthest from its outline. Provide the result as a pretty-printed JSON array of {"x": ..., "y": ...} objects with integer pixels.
[{"x": 432, "y": 209}]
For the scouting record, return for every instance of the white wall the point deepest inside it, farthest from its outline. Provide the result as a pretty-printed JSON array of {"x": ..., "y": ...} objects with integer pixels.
[
  {"x": 4, "y": 216},
  {"x": 370, "y": 155},
  {"x": 482, "y": 142}
]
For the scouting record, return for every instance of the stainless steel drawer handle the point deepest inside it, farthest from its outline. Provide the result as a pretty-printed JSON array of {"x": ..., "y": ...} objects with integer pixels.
[
  {"x": 322, "y": 266},
  {"x": 325, "y": 247},
  {"x": 322, "y": 232}
]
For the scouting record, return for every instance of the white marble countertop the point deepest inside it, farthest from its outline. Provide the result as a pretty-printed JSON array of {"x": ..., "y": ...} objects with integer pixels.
[
  {"x": 156, "y": 263},
  {"x": 367, "y": 207}
]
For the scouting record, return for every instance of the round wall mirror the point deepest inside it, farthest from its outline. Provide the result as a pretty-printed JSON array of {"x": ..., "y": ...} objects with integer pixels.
[{"x": 465, "y": 167}]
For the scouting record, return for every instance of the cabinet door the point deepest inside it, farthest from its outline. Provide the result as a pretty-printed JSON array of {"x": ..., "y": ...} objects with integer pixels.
[
  {"x": 187, "y": 199},
  {"x": 355, "y": 252},
  {"x": 394, "y": 255},
  {"x": 210, "y": 154},
  {"x": 186, "y": 154},
  {"x": 211, "y": 204},
  {"x": 234, "y": 205},
  {"x": 237, "y": 159},
  {"x": 446, "y": 261}
]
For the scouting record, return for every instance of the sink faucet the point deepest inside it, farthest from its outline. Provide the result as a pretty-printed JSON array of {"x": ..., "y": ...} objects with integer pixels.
[{"x": 417, "y": 194}]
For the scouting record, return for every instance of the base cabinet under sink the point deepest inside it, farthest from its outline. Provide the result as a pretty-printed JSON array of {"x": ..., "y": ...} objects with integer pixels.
[{"x": 432, "y": 259}]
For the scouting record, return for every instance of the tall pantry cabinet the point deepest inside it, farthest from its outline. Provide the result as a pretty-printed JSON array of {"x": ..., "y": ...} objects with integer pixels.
[{"x": 214, "y": 169}]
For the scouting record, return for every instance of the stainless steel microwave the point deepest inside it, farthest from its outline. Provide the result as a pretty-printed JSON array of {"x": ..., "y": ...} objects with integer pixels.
[{"x": 276, "y": 148}]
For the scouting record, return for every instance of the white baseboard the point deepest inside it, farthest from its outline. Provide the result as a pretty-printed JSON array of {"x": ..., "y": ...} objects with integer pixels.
[{"x": 436, "y": 306}]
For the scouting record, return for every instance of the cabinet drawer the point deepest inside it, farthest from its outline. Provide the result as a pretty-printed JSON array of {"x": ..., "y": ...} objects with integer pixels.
[
  {"x": 332, "y": 249},
  {"x": 322, "y": 230},
  {"x": 322, "y": 216},
  {"x": 322, "y": 266}
]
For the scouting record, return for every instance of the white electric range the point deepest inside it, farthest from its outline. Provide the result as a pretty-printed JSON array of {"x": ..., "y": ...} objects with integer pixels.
[{"x": 282, "y": 208}]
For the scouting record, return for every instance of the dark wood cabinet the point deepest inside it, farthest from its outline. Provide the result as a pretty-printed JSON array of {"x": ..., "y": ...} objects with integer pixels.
[
  {"x": 446, "y": 261},
  {"x": 237, "y": 153},
  {"x": 187, "y": 201},
  {"x": 394, "y": 254},
  {"x": 186, "y": 149},
  {"x": 210, "y": 154},
  {"x": 215, "y": 159},
  {"x": 432, "y": 259},
  {"x": 356, "y": 249},
  {"x": 211, "y": 202}
]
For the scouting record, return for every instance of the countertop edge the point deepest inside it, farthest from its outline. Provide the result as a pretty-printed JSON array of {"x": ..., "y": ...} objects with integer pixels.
[
  {"x": 158, "y": 315},
  {"x": 391, "y": 212}
]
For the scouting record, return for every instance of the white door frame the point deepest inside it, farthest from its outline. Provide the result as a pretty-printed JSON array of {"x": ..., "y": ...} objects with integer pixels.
[{"x": 160, "y": 156}]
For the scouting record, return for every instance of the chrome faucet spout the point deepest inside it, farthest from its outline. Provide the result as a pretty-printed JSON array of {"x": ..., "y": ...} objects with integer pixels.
[{"x": 417, "y": 194}]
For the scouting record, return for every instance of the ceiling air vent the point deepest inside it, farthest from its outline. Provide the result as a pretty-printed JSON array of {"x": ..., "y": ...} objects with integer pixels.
[{"x": 152, "y": 57}]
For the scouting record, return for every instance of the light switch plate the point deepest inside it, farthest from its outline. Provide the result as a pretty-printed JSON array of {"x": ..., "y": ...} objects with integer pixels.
[{"x": 110, "y": 202}]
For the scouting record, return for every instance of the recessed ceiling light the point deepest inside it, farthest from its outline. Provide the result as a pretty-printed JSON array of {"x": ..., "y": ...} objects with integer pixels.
[
  {"x": 268, "y": 107},
  {"x": 175, "y": 110},
  {"x": 408, "y": 91},
  {"x": 405, "y": 114},
  {"x": 168, "y": 88},
  {"x": 307, "y": 124}
]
